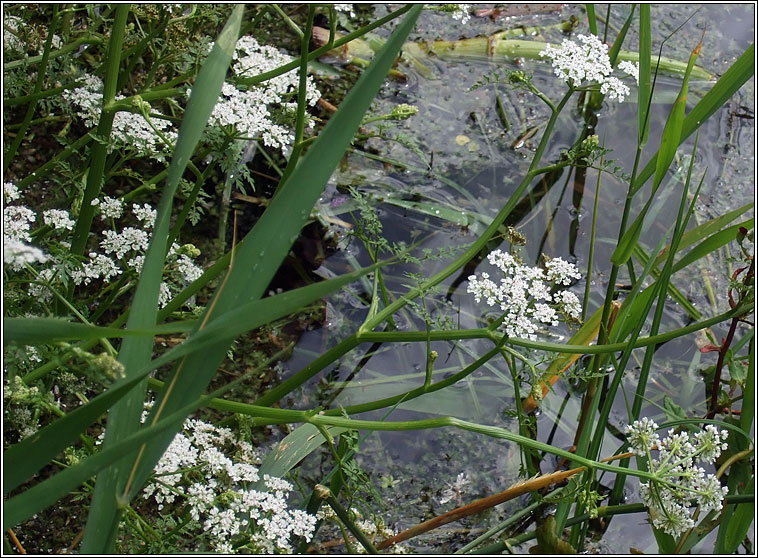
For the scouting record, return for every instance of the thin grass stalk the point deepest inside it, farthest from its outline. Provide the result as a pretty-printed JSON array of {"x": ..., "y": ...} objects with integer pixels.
[
  {"x": 41, "y": 73},
  {"x": 286, "y": 19},
  {"x": 644, "y": 87},
  {"x": 99, "y": 154},
  {"x": 591, "y": 254},
  {"x": 301, "y": 97},
  {"x": 607, "y": 23}
]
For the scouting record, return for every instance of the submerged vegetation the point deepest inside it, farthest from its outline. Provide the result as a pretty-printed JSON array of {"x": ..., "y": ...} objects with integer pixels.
[{"x": 234, "y": 281}]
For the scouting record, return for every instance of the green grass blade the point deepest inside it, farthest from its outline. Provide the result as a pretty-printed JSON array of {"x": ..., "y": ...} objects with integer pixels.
[
  {"x": 713, "y": 242},
  {"x": 643, "y": 90},
  {"x": 260, "y": 254},
  {"x": 670, "y": 140},
  {"x": 27, "y": 457},
  {"x": 735, "y": 77},
  {"x": 297, "y": 445},
  {"x": 136, "y": 352},
  {"x": 34, "y": 331},
  {"x": 591, "y": 18},
  {"x": 672, "y": 131},
  {"x": 616, "y": 46},
  {"x": 703, "y": 230}
]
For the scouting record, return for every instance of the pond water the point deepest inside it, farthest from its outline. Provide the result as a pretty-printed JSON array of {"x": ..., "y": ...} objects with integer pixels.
[{"x": 464, "y": 159}]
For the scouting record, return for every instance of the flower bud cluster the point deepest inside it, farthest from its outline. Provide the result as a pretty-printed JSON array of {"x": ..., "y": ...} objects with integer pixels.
[
  {"x": 679, "y": 482},
  {"x": 527, "y": 295}
]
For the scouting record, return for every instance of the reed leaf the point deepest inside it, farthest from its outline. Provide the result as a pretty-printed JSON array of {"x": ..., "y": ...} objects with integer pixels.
[
  {"x": 297, "y": 445},
  {"x": 124, "y": 417},
  {"x": 262, "y": 251},
  {"x": 670, "y": 140},
  {"x": 643, "y": 89},
  {"x": 735, "y": 77},
  {"x": 703, "y": 230}
]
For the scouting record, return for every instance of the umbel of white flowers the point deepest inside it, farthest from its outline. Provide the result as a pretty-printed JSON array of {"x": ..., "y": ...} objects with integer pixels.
[
  {"x": 526, "y": 294},
  {"x": 679, "y": 482},
  {"x": 576, "y": 64}
]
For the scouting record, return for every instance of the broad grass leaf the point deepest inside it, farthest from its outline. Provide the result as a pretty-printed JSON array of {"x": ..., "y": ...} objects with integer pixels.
[
  {"x": 644, "y": 87},
  {"x": 136, "y": 351},
  {"x": 27, "y": 457},
  {"x": 296, "y": 446},
  {"x": 258, "y": 257}
]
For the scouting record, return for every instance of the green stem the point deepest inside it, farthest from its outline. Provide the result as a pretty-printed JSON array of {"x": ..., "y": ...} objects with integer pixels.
[
  {"x": 89, "y": 40},
  {"x": 326, "y": 494},
  {"x": 41, "y": 73},
  {"x": 100, "y": 150}
]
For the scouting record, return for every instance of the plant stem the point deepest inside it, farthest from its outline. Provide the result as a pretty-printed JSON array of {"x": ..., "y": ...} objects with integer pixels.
[{"x": 100, "y": 150}]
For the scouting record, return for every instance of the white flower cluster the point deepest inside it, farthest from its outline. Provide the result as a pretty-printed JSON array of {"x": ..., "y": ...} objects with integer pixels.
[
  {"x": 680, "y": 482},
  {"x": 196, "y": 470},
  {"x": 346, "y": 8},
  {"x": 589, "y": 62},
  {"x": 250, "y": 112},
  {"x": 524, "y": 293},
  {"x": 59, "y": 219},
  {"x": 17, "y": 220},
  {"x": 129, "y": 129},
  {"x": 10, "y": 192},
  {"x": 120, "y": 248},
  {"x": 11, "y": 42},
  {"x": 462, "y": 13}
]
